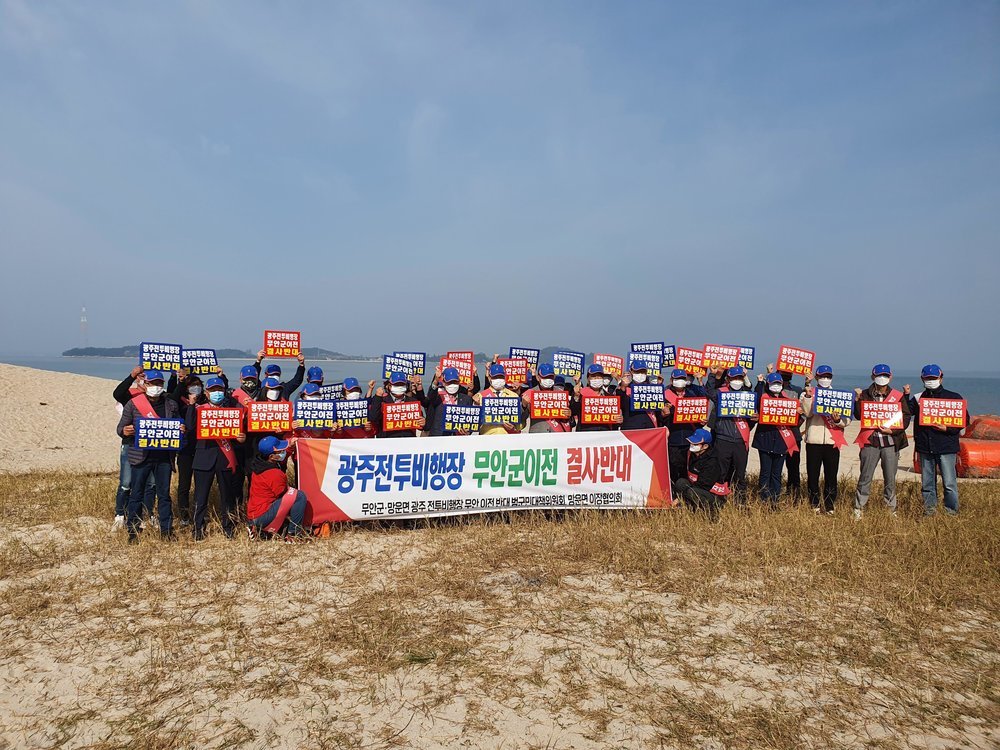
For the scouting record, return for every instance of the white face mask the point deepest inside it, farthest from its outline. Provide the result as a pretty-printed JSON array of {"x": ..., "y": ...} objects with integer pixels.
[
  {"x": 273, "y": 394},
  {"x": 679, "y": 383},
  {"x": 774, "y": 388},
  {"x": 194, "y": 390},
  {"x": 932, "y": 384},
  {"x": 639, "y": 377},
  {"x": 451, "y": 388},
  {"x": 735, "y": 385},
  {"x": 353, "y": 395},
  {"x": 154, "y": 391},
  {"x": 281, "y": 456},
  {"x": 315, "y": 397},
  {"x": 546, "y": 383},
  {"x": 607, "y": 382},
  {"x": 882, "y": 380},
  {"x": 824, "y": 382},
  {"x": 397, "y": 390},
  {"x": 695, "y": 449},
  {"x": 597, "y": 383},
  {"x": 497, "y": 384}
]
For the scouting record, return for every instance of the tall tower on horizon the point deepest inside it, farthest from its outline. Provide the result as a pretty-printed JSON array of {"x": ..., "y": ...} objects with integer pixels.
[{"x": 83, "y": 326}]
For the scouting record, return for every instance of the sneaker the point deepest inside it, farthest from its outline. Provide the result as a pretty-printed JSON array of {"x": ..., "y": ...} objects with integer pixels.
[
  {"x": 252, "y": 532},
  {"x": 118, "y": 524},
  {"x": 817, "y": 510},
  {"x": 296, "y": 539},
  {"x": 827, "y": 512},
  {"x": 857, "y": 514}
]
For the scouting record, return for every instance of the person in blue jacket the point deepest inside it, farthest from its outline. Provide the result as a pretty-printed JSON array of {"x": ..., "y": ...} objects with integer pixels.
[{"x": 937, "y": 446}]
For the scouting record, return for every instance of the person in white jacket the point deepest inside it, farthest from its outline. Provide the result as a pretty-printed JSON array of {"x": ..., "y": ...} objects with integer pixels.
[{"x": 824, "y": 439}]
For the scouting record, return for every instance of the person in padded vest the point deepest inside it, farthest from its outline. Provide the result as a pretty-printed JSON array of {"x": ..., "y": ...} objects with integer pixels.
[
  {"x": 215, "y": 461},
  {"x": 937, "y": 446},
  {"x": 132, "y": 385},
  {"x": 152, "y": 403},
  {"x": 824, "y": 438},
  {"x": 774, "y": 443},
  {"x": 445, "y": 390},
  {"x": 638, "y": 420},
  {"x": 678, "y": 447},
  {"x": 268, "y": 487},
  {"x": 594, "y": 387},
  {"x": 497, "y": 388},
  {"x": 546, "y": 382},
  {"x": 882, "y": 445},
  {"x": 701, "y": 487},
  {"x": 731, "y": 434},
  {"x": 401, "y": 389}
]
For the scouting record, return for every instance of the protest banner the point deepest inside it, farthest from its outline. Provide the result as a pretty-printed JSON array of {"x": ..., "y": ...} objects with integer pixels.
[
  {"x": 158, "y": 434},
  {"x": 503, "y": 410},
  {"x": 569, "y": 364},
  {"x": 690, "y": 360},
  {"x": 736, "y": 404},
  {"x": 465, "y": 418},
  {"x": 200, "y": 361},
  {"x": 746, "y": 357},
  {"x": 669, "y": 356},
  {"x": 651, "y": 351},
  {"x": 645, "y": 397},
  {"x": 878, "y": 414},
  {"x": 691, "y": 410},
  {"x": 405, "y": 415},
  {"x": 780, "y": 412},
  {"x": 832, "y": 403},
  {"x": 282, "y": 343},
  {"x": 419, "y": 360},
  {"x": 269, "y": 416},
  {"x": 600, "y": 410},
  {"x": 719, "y": 356},
  {"x": 520, "y": 352},
  {"x": 465, "y": 367},
  {"x": 352, "y": 413},
  {"x": 315, "y": 415},
  {"x": 164, "y": 357},
  {"x": 611, "y": 363},
  {"x": 942, "y": 412},
  {"x": 392, "y": 363},
  {"x": 548, "y": 404},
  {"x": 348, "y": 480},
  {"x": 331, "y": 391},
  {"x": 653, "y": 367},
  {"x": 794, "y": 360},
  {"x": 468, "y": 356},
  {"x": 219, "y": 423},
  {"x": 515, "y": 370}
]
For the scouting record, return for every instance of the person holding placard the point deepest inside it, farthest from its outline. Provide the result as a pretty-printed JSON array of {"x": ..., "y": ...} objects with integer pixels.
[
  {"x": 937, "y": 444},
  {"x": 189, "y": 393},
  {"x": 701, "y": 487},
  {"x": 401, "y": 389},
  {"x": 445, "y": 389},
  {"x": 774, "y": 442},
  {"x": 548, "y": 388},
  {"x": 150, "y": 404},
  {"x": 677, "y": 442},
  {"x": 824, "y": 440},
  {"x": 273, "y": 371},
  {"x": 594, "y": 387},
  {"x": 497, "y": 388},
  {"x": 132, "y": 385},
  {"x": 732, "y": 434},
  {"x": 638, "y": 420},
  {"x": 880, "y": 444},
  {"x": 793, "y": 468},
  {"x": 354, "y": 395}
]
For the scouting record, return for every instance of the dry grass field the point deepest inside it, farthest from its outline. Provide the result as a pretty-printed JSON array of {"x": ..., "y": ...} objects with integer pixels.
[{"x": 591, "y": 630}]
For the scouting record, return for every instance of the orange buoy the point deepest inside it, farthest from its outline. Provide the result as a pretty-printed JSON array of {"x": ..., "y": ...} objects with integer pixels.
[
  {"x": 984, "y": 427},
  {"x": 979, "y": 459}
]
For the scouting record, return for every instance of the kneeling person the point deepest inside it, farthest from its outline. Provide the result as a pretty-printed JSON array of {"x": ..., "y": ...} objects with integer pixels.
[
  {"x": 271, "y": 500},
  {"x": 702, "y": 489}
]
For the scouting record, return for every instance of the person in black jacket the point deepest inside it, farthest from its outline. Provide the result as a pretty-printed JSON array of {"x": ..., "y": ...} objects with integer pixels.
[
  {"x": 444, "y": 390},
  {"x": 132, "y": 384},
  {"x": 937, "y": 446},
  {"x": 769, "y": 440},
  {"x": 189, "y": 393},
  {"x": 638, "y": 420},
  {"x": 400, "y": 390},
  {"x": 702, "y": 487},
  {"x": 677, "y": 444},
  {"x": 289, "y": 387}
]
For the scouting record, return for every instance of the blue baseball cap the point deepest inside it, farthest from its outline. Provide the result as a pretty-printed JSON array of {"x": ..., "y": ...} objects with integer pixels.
[
  {"x": 824, "y": 370},
  {"x": 397, "y": 377},
  {"x": 249, "y": 372},
  {"x": 270, "y": 445},
  {"x": 881, "y": 369},
  {"x": 272, "y": 383},
  {"x": 450, "y": 375},
  {"x": 774, "y": 377},
  {"x": 595, "y": 369},
  {"x": 678, "y": 374},
  {"x": 351, "y": 383},
  {"x": 638, "y": 364},
  {"x": 314, "y": 375},
  {"x": 700, "y": 436},
  {"x": 272, "y": 370},
  {"x": 737, "y": 372},
  {"x": 153, "y": 375},
  {"x": 310, "y": 389},
  {"x": 215, "y": 383},
  {"x": 929, "y": 371},
  {"x": 497, "y": 369},
  {"x": 546, "y": 371}
]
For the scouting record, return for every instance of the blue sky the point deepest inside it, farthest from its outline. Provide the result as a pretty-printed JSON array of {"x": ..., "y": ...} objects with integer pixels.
[{"x": 430, "y": 176}]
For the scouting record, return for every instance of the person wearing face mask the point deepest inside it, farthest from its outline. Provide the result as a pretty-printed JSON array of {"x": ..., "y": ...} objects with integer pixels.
[
  {"x": 352, "y": 392},
  {"x": 215, "y": 461},
  {"x": 546, "y": 382},
  {"x": 882, "y": 445},
  {"x": 400, "y": 390},
  {"x": 824, "y": 440},
  {"x": 732, "y": 435},
  {"x": 445, "y": 390},
  {"x": 495, "y": 388},
  {"x": 310, "y": 392},
  {"x": 289, "y": 387},
  {"x": 793, "y": 468},
  {"x": 701, "y": 488},
  {"x": 151, "y": 404},
  {"x": 271, "y": 501},
  {"x": 125, "y": 391},
  {"x": 677, "y": 442},
  {"x": 937, "y": 446},
  {"x": 594, "y": 387},
  {"x": 189, "y": 394},
  {"x": 638, "y": 420},
  {"x": 774, "y": 443}
]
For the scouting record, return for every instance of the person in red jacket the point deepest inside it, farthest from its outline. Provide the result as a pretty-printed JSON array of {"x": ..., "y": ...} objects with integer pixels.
[{"x": 271, "y": 500}]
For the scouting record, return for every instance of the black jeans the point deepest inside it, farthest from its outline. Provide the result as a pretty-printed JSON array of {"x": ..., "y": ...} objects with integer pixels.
[
  {"x": 678, "y": 456},
  {"x": 698, "y": 498},
  {"x": 794, "y": 481},
  {"x": 227, "y": 513},
  {"x": 826, "y": 457},
  {"x": 733, "y": 462},
  {"x": 184, "y": 475}
]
